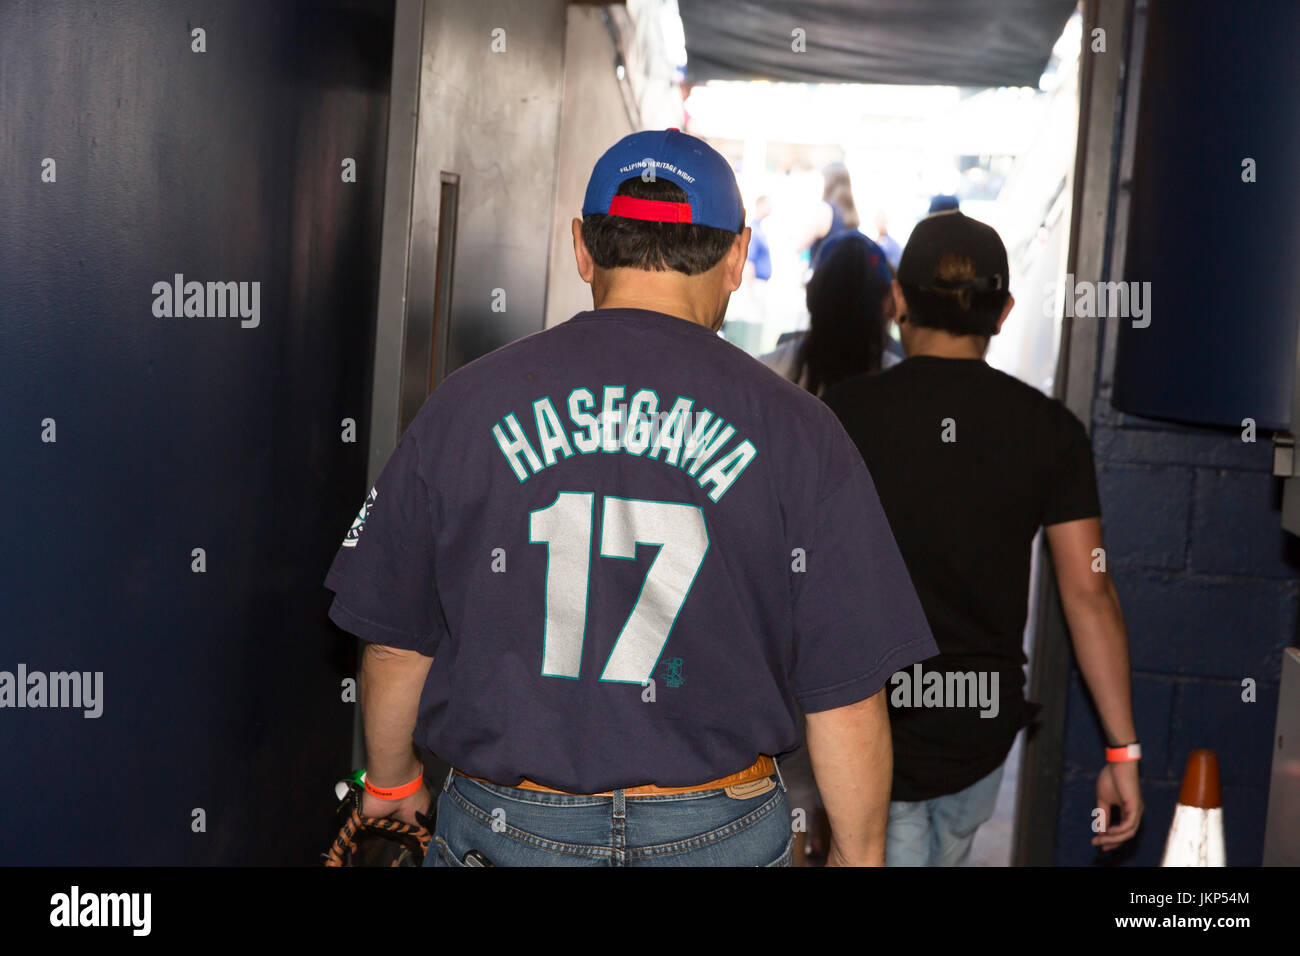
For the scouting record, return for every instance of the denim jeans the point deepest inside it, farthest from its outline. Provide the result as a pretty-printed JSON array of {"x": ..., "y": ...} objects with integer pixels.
[
  {"x": 940, "y": 832},
  {"x": 513, "y": 827}
]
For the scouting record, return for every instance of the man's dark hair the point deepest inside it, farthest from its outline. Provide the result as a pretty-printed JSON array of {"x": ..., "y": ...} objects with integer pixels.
[
  {"x": 960, "y": 311},
  {"x": 616, "y": 242}
]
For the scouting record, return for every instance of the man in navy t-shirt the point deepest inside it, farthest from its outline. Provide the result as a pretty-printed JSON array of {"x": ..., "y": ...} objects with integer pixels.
[{"x": 608, "y": 564}]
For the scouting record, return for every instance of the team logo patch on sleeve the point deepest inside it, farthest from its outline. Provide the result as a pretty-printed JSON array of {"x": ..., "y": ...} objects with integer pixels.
[{"x": 354, "y": 532}]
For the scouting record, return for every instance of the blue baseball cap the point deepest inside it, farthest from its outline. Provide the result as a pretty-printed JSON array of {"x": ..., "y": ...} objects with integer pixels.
[
  {"x": 879, "y": 261},
  {"x": 712, "y": 196},
  {"x": 943, "y": 203}
]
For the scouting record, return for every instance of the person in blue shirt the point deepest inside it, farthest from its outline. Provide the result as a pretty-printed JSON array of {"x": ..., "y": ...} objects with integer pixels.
[
  {"x": 836, "y": 212},
  {"x": 751, "y": 303},
  {"x": 759, "y": 260},
  {"x": 893, "y": 251}
]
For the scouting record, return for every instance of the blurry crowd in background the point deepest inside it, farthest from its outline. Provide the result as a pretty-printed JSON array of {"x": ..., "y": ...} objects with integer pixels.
[
  {"x": 845, "y": 268},
  {"x": 829, "y": 222}
]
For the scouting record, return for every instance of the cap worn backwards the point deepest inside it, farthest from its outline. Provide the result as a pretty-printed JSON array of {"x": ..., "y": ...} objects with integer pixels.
[
  {"x": 712, "y": 195},
  {"x": 954, "y": 233}
]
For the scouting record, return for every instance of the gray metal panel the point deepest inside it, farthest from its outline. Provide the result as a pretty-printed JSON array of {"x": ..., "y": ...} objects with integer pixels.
[
  {"x": 493, "y": 119},
  {"x": 1102, "y": 93},
  {"x": 390, "y": 318},
  {"x": 1282, "y": 831},
  {"x": 399, "y": 182}
]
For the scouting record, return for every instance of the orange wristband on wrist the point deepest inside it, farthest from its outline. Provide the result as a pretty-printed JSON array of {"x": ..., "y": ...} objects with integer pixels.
[
  {"x": 1124, "y": 754},
  {"x": 393, "y": 793}
]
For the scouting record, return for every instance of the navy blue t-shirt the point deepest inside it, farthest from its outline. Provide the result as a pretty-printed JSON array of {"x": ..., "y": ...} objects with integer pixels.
[{"x": 633, "y": 553}]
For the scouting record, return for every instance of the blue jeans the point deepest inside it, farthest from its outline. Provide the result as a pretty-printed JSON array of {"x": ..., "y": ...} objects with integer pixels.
[
  {"x": 514, "y": 827},
  {"x": 939, "y": 832}
]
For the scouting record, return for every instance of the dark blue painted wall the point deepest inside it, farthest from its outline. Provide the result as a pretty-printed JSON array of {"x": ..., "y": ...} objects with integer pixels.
[
  {"x": 1218, "y": 86},
  {"x": 221, "y": 689},
  {"x": 1207, "y": 578}
]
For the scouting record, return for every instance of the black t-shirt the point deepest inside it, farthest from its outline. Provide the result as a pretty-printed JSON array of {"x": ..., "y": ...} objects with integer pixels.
[{"x": 968, "y": 463}]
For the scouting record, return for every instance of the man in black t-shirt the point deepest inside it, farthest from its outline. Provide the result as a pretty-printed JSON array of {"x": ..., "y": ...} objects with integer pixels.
[{"x": 969, "y": 463}]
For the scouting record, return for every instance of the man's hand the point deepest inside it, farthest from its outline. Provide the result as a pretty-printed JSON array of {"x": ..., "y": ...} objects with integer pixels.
[
  {"x": 836, "y": 857},
  {"x": 404, "y": 809},
  {"x": 1117, "y": 784}
]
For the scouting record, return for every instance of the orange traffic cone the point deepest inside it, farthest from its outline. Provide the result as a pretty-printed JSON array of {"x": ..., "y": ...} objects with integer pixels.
[{"x": 1196, "y": 837}]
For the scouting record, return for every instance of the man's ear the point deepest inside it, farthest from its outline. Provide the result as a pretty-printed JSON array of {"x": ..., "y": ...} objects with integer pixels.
[
  {"x": 735, "y": 260},
  {"x": 1006, "y": 310},
  {"x": 900, "y": 304},
  {"x": 887, "y": 307},
  {"x": 586, "y": 265}
]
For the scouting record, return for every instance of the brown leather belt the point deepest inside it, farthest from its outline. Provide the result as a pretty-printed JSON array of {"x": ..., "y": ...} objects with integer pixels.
[{"x": 764, "y": 766}]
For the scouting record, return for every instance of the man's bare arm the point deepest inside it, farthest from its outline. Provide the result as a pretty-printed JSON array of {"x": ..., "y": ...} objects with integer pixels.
[
  {"x": 853, "y": 763},
  {"x": 391, "y": 683},
  {"x": 1096, "y": 622}
]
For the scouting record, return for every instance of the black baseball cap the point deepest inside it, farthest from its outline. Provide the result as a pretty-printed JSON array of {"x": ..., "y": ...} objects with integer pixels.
[{"x": 944, "y": 233}]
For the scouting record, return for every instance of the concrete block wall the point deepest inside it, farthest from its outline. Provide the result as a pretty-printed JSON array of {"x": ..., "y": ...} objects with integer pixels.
[{"x": 1208, "y": 583}]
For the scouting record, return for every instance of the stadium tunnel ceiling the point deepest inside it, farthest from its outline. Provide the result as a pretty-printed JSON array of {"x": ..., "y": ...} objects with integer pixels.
[{"x": 971, "y": 43}]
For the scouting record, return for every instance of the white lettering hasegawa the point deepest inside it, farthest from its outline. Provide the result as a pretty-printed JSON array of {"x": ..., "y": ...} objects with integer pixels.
[{"x": 685, "y": 439}]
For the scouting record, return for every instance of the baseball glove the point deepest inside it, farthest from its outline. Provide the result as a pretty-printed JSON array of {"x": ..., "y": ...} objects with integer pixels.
[{"x": 375, "y": 841}]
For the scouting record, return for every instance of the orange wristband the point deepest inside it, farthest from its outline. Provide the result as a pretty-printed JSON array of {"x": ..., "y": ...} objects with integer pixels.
[
  {"x": 393, "y": 793},
  {"x": 1124, "y": 754}
]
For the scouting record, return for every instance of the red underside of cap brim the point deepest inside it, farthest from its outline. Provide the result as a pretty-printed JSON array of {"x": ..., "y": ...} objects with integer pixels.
[{"x": 652, "y": 210}]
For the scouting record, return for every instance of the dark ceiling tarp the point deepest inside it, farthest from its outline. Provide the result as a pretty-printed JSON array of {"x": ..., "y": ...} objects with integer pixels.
[{"x": 942, "y": 42}]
